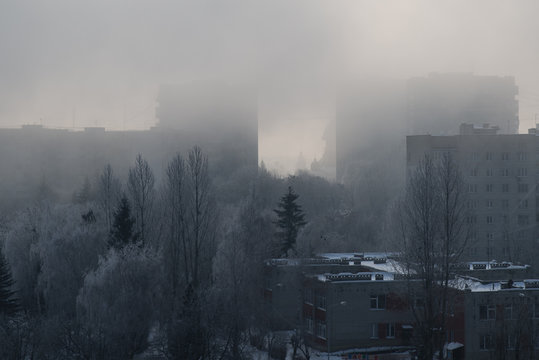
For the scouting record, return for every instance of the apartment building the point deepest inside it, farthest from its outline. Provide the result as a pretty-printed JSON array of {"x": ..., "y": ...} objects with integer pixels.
[
  {"x": 502, "y": 318},
  {"x": 359, "y": 304},
  {"x": 501, "y": 172}
]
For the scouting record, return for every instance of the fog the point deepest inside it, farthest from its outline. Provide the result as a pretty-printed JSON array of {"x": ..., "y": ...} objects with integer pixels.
[{"x": 76, "y": 64}]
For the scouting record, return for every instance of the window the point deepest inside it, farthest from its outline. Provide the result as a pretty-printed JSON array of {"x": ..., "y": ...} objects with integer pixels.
[
  {"x": 522, "y": 172},
  {"x": 489, "y": 203},
  {"x": 390, "y": 330},
  {"x": 487, "y": 312},
  {"x": 474, "y": 155},
  {"x": 522, "y": 188},
  {"x": 505, "y": 187},
  {"x": 489, "y": 155},
  {"x": 490, "y": 236},
  {"x": 309, "y": 296},
  {"x": 310, "y": 325},
  {"x": 505, "y": 219},
  {"x": 471, "y": 219},
  {"x": 378, "y": 302},
  {"x": 523, "y": 220},
  {"x": 505, "y": 203},
  {"x": 472, "y": 188},
  {"x": 321, "y": 301},
  {"x": 505, "y": 156},
  {"x": 489, "y": 187},
  {"x": 522, "y": 156},
  {"x": 505, "y": 172},
  {"x": 485, "y": 342},
  {"x": 523, "y": 204},
  {"x": 374, "y": 331},
  {"x": 510, "y": 341},
  {"x": 471, "y": 204},
  {"x": 321, "y": 329},
  {"x": 473, "y": 172},
  {"x": 536, "y": 310},
  {"x": 508, "y": 312},
  {"x": 490, "y": 219},
  {"x": 490, "y": 172},
  {"x": 490, "y": 251}
]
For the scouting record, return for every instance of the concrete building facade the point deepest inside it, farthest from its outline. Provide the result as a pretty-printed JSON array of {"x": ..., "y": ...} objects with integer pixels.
[{"x": 501, "y": 173}]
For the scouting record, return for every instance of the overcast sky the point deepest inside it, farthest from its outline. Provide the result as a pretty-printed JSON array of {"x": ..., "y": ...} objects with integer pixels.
[{"x": 100, "y": 62}]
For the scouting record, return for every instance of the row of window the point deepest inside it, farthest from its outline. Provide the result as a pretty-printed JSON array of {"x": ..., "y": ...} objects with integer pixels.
[
  {"x": 522, "y": 220},
  {"x": 386, "y": 330},
  {"x": 489, "y": 204},
  {"x": 505, "y": 156},
  {"x": 488, "y": 312},
  {"x": 505, "y": 188},
  {"x": 505, "y": 172},
  {"x": 473, "y": 251}
]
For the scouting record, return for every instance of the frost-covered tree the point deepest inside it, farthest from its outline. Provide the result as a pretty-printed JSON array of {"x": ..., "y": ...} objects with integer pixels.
[
  {"x": 141, "y": 190},
  {"x": 109, "y": 191},
  {"x": 115, "y": 306},
  {"x": 9, "y": 304},
  {"x": 290, "y": 219}
]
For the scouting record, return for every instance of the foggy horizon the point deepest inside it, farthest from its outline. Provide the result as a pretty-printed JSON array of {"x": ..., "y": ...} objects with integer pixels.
[{"x": 100, "y": 64}]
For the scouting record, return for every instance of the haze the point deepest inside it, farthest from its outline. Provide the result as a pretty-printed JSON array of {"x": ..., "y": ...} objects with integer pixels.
[{"x": 75, "y": 64}]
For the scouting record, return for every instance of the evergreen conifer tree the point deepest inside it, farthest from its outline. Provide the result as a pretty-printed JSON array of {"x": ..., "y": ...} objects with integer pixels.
[
  {"x": 8, "y": 303},
  {"x": 290, "y": 219},
  {"x": 121, "y": 233}
]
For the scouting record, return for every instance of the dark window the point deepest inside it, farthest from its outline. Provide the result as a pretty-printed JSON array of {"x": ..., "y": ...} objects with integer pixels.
[
  {"x": 378, "y": 302},
  {"x": 485, "y": 342},
  {"x": 487, "y": 312}
]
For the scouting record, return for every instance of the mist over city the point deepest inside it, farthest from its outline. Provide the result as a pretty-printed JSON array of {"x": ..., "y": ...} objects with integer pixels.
[{"x": 269, "y": 179}]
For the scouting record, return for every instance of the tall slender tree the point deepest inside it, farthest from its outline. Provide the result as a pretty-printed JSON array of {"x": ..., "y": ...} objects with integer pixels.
[
  {"x": 9, "y": 304},
  {"x": 290, "y": 219},
  {"x": 141, "y": 189},
  {"x": 434, "y": 235}
]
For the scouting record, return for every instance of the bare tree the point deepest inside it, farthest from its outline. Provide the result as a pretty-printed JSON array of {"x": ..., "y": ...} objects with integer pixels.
[
  {"x": 109, "y": 191},
  {"x": 190, "y": 331},
  {"x": 434, "y": 232},
  {"x": 174, "y": 197},
  {"x": 141, "y": 189},
  {"x": 199, "y": 242}
]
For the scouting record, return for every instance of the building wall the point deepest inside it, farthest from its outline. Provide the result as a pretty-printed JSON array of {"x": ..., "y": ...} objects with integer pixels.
[
  {"x": 502, "y": 324},
  {"x": 345, "y": 310},
  {"x": 63, "y": 159},
  {"x": 501, "y": 173}
]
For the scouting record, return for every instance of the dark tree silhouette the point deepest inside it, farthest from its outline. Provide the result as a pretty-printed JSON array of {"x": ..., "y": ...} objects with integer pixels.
[
  {"x": 290, "y": 219},
  {"x": 8, "y": 303},
  {"x": 122, "y": 228}
]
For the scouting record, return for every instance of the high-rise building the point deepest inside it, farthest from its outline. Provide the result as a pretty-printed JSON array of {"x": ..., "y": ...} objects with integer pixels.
[
  {"x": 439, "y": 103},
  {"x": 501, "y": 173},
  {"x": 373, "y": 116}
]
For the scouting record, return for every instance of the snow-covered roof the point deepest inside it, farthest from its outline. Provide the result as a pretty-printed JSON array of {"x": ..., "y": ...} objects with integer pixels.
[
  {"x": 476, "y": 285},
  {"x": 354, "y": 277},
  {"x": 493, "y": 265}
]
